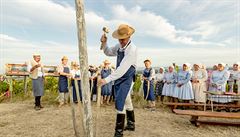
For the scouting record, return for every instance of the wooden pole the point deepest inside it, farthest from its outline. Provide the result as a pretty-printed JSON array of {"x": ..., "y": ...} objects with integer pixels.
[
  {"x": 79, "y": 105},
  {"x": 11, "y": 88},
  {"x": 73, "y": 110},
  {"x": 98, "y": 112},
  {"x": 83, "y": 58},
  {"x": 25, "y": 84}
]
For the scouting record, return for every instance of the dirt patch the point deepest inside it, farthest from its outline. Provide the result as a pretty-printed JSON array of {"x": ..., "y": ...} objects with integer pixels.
[{"x": 21, "y": 120}]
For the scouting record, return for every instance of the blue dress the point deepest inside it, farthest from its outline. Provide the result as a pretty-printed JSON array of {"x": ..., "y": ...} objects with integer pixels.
[
  {"x": 63, "y": 81},
  {"x": 74, "y": 88},
  {"x": 107, "y": 88},
  {"x": 123, "y": 84},
  {"x": 169, "y": 83},
  {"x": 218, "y": 82},
  {"x": 184, "y": 92},
  {"x": 147, "y": 74}
]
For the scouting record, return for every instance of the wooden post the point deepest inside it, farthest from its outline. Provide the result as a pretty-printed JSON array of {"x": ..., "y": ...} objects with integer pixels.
[
  {"x": 83, "y": 58},
  {"x": 98, "y": 112},
  {"x": 25, "y": 84},
  {"x": 11, "y": 88},
  {"x": 73, "y": 110},
  {"x": 79, "y": 105}
]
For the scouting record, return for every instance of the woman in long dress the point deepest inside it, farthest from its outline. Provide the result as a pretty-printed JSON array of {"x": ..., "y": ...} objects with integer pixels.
[
  {"x": 183, "y": 90},
  {"x": 148, "y": 84},
  {"x": 199, "y": 77},
  {"x": 218, "y": 83},
  {"x": 107, "y": 88},
  {"x": 159, "y": 84},
  {"x": 169, "y": 80},
  {"x": 64, "y": 74}
]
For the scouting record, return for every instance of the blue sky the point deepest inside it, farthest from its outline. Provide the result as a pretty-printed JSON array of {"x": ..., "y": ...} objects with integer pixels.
[{"x": 195, "y": 31}]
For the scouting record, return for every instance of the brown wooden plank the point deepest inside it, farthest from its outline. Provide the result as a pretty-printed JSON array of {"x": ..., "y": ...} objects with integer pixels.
[
  {"x": 207, "y": 114},
  {"x": 222, "y": 123},
  {"x": 196, "y": 104}
]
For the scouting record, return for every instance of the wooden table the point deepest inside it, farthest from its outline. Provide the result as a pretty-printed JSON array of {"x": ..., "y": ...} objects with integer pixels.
[{"x": 234, "y": 97}]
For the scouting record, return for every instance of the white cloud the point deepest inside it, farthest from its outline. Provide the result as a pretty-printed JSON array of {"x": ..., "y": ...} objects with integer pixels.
[
  {"x": 38, "y": 11},
  {"x": 205, "y": 29},
  {"x": 46, "y": 12},
  {"x": 21, "y": 51},
  {"x": 4, "y": 37},
  {"x": 12, "y": 51},
  {"x": 148, "y": 23}
]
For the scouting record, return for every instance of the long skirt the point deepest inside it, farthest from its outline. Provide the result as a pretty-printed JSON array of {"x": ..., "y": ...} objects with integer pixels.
[
  {"x": 159, "y": 88},
  {"x": 184, "y": 92},
  {"x": 168, "y": 89},
  {"x": 38, "y": 86}
]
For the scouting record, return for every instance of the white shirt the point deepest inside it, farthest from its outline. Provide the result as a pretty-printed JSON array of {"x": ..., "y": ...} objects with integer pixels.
[
  {"x": 130, "y": 58},
  {"x": 234, "y": 75},
  {"x": 60, "y": 68},
  {"x": 40, "y": 74},
  {"x": 75, "y": 72},
  {"x": 159, "y": 76}
]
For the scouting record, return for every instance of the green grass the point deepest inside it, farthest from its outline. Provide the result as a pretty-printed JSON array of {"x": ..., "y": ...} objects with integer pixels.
[{"x": 51, "y": 92}]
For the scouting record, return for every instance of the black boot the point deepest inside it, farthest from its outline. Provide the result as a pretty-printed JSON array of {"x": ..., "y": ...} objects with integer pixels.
[
  {"x": 119, "y": 125},
  {"x": 130, "y": 121}
]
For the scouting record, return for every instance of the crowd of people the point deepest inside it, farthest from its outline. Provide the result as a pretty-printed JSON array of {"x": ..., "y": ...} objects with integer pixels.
[
  {"x": 178, "y": 83},
  {"x": 190, "y": 84},
  {"x": 175, "y": 84}
]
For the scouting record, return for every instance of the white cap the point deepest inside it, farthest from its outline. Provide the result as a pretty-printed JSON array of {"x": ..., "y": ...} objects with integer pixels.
[
  {"x": 237, "y": 63},
  {"x": 36, "y": 54},
  {"x": 187, "y": 64},
  {"x": 223, "y": 64},
  {"x": 198, "y": 64}
]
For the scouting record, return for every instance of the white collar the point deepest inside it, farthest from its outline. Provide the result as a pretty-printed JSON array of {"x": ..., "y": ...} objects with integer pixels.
[{"x": 125, "y": 47}]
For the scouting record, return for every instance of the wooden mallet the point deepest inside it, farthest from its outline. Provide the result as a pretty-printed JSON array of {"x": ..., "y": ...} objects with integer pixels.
[{"x": 105, "y": 31}]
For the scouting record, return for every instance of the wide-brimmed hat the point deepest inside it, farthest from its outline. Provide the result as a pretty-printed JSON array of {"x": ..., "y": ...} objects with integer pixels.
[
  {"x": 64, "y": 58},
  {"x": 123, "y": 31},
  {"x": 147, "y": 60},
  {"x": 106, "y": 62}
]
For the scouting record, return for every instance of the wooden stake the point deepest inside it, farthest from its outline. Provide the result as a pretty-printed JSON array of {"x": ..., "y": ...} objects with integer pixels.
[
  {"x": 83, "y": 58},
  {"x": 99, "y": 90},
  {"x": 79, "y": 105},
  {"x": 25, "y": 84},
  {"x": 72, "y": 109}
]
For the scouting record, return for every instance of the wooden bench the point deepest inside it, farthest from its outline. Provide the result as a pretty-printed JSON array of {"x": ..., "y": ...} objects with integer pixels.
[
  {"x": 175, "y": 105},
  {"x": 195, "y": 114}
]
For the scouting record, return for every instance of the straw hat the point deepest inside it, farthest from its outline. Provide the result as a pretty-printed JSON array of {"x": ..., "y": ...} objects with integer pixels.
[
  {"x": 64, "y": 58},
  {"x": 74, "y": 63},
  {"x": 106, "y": 62},
  {"x": 147, "y": 60},
  {"x": 123, "y": 31}
]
